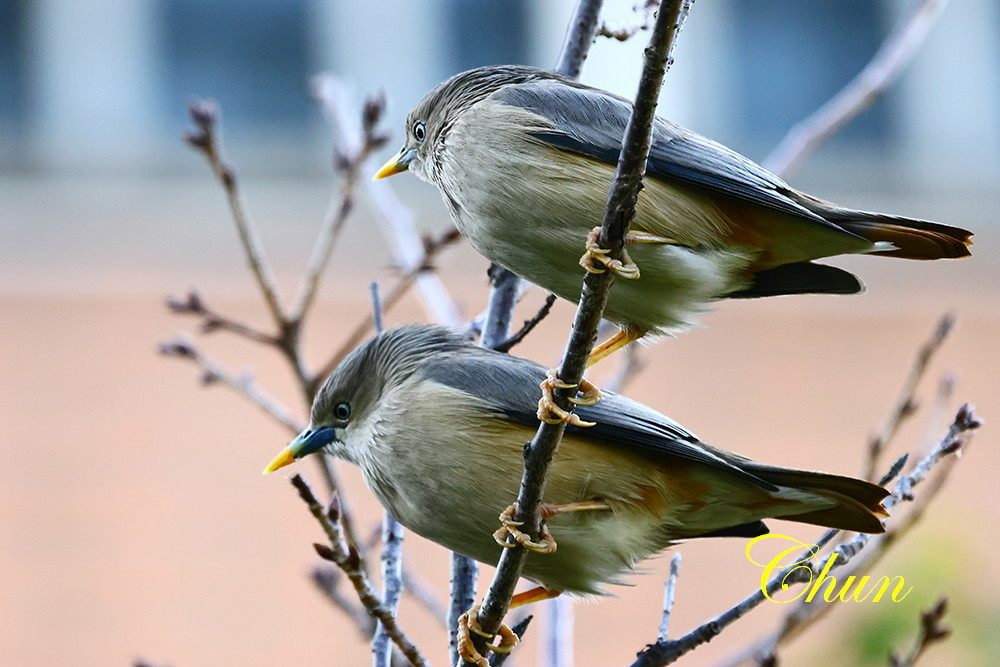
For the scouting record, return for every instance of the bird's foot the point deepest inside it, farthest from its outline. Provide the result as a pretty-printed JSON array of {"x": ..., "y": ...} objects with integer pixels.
[
  {"x": 545, "y": 544},
  {"x": 468, "y": 623},
  {"x": 550, "y": 413},
  {"x": 595, "y": 254}
]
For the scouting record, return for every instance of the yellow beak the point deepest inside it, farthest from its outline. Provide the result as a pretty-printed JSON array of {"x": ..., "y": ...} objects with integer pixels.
[
  {"x": 397, "y": 163},
  {"x": 280, "y": 461}
]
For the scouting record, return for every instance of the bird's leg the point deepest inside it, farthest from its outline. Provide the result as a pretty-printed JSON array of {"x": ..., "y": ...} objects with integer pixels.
[
  {"x": 536, "y": 594},
  {"x": 595, "y": 254},
  {"x": 546, "y": 544},
  {"x": 550, "y": 413},
  {"x": 469, "y": 623},
  {"x": 613, "y": 344},
  {"x": 644, "y": 237}
]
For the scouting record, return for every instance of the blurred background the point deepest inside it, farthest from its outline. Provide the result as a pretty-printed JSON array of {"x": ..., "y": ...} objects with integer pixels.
[{"x": 134, "y": 522}]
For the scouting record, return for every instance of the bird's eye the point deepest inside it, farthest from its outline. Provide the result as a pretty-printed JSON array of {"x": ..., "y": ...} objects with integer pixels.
[
  {"x": 419, "y": 131},
  {"x": 342, "y": 411}
]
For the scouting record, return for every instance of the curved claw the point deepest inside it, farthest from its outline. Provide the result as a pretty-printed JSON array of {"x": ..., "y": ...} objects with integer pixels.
[
  {"x": 550, "y": 412},
  {"x": 546, "y": 544},
  {"x": 468, "y": 623},
  {"x": 595, "y": 254}
]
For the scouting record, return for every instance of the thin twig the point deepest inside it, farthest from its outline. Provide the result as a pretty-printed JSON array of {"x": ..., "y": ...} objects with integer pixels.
[
  {"x": 906, "y": 404},
  {"x": 861, "y": 92},
  {"x": 242, "y": 384},
  {"x": 193, "y": 304},
  {"x": 806, "y": 614},
  {"x": 528, "y": 325},
  {"x": 625, "y": 32},
  {"x": 540, "y": 451},
  {"x": 668, "y": 597},
  {"x": 347, "y": 559},
  {"x": 204, "y": 137},
  {"x": 350, "y": 163},
  {"x": 665, "y": 653},
  {"x": 931, "y": 632},
  {"x": 396, "y": 221}
]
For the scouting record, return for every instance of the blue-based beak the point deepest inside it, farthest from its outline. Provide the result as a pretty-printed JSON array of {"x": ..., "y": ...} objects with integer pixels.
[{"x": 306, "y": 443}]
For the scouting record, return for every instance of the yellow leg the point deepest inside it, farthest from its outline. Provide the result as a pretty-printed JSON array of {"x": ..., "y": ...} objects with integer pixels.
[
  {"x": 643, "y": 237},
  {"x": 534, "y": 595},
  {"x": 612, "y": 345}
]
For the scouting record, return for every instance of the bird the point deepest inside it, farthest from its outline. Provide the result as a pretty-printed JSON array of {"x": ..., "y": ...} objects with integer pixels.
[
  {"x": 437, "y": 424},
  {"x": 524, "y": 159}
]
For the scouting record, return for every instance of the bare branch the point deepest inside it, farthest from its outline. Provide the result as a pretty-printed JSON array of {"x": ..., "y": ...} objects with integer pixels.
[
  {"x": 624, "y": 33},
  {"x": 621, "y": 208},
  {"x": 205, "y": 139},
  {"x": 242, "y": 384},
  {"x": 347, "y": 559},
  {"x": 397, "y": 223},
  {"x": 579, "y": 37},
  {"x": 212, "y": 321},
  {"x": 863, "y": 90},
  {"x": 668, "y": 597},
  {"x": 665, "y": 653},
  {"x": 906, "y": 404},
  {"x": 528, "y": 326},
  {"x": 931, "y": 632},
  {"x": 350, "y": 164}
]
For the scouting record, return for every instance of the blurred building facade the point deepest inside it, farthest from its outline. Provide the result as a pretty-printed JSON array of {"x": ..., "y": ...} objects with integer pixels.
[{"x": 101, "y": 86}]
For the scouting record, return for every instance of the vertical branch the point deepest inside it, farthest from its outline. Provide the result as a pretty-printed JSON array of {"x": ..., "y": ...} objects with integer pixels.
[
  {"x": 205, "y": 115},
  {"x": 620, "y": 210},
  {"x": 579, "y": 36},
  {"x": 500, "y": 309},
  {"x": 392, "y": 544},
  {"x": 668, "y": 598}
]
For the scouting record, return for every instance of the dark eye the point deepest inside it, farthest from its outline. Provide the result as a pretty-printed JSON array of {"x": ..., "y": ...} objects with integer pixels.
[
  {"x": 419, "y": 131},
  {"x": 342, "y": 411}
]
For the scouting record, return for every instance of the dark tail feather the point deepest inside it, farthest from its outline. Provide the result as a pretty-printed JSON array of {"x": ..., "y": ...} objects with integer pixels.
[
  {"x": 752, "y": 529},
  {"x": 800, "y": 278},
  {"x": 914, "y": 239},
  {"x": 859, "y": 503}
]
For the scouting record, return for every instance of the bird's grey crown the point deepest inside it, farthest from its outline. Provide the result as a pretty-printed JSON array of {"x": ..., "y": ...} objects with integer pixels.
[{"x": 385, "y": 360}]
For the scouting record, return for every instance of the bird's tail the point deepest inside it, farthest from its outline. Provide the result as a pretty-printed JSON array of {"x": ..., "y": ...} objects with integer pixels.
[
  {"x": 856, "y": 504},
  {"x": 911, "y": 238}
]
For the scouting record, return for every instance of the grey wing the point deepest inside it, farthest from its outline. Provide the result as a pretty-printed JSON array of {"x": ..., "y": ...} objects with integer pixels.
[
  {"x": 509, "y": 385},
  {"x": 592, "y": 122}
]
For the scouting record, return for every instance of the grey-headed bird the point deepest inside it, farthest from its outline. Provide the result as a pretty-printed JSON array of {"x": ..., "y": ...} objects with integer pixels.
[
  {"x": 437, "y": 426},
  {"x": 524, "y": 159}
]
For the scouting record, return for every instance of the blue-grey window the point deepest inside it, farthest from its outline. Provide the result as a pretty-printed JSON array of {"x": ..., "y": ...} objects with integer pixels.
[
  {"x": 252, "y": 57},
  {"x": 793, "y": 55},
  {"x": 485, "y": 32},
  {"x": 13, "y": 103}
]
